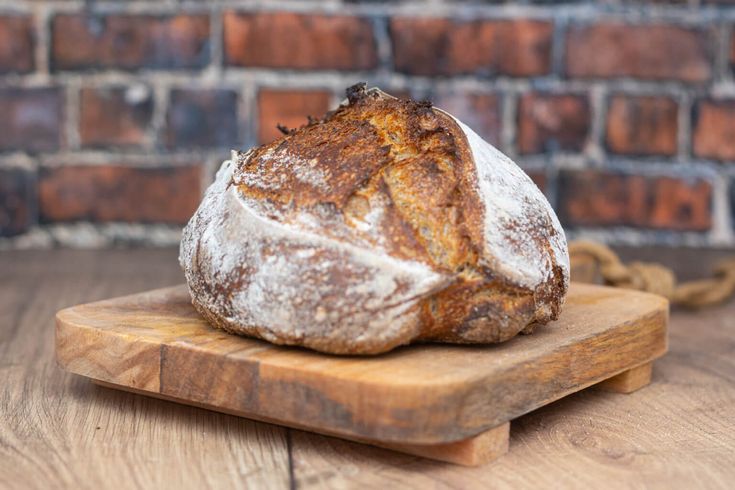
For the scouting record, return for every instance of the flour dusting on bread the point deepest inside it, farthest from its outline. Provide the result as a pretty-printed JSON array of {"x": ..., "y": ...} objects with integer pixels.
[
  {"x": 288, "y": 285},
  {"x": 522, "y": 233}
]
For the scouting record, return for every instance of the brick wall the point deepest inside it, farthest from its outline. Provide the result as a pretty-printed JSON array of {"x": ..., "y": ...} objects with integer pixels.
[{"x": 114, "y": 115}]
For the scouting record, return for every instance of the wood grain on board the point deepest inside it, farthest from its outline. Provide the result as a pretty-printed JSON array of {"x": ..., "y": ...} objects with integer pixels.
[
  {"x": 480, "y": 449},
  {"x": 421, "y": 394}
]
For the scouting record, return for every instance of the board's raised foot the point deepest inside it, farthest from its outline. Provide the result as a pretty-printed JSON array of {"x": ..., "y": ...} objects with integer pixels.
[
  {"x": 475, "y": 451},
  {"x": 628, "y": 381}
]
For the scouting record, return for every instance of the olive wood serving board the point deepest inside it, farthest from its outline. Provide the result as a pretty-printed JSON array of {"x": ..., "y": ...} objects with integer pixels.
[{"x": 447, "y": 402}]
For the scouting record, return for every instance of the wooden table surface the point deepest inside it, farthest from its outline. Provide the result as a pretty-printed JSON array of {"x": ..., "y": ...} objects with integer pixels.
[{"x": 61, "y": 431}]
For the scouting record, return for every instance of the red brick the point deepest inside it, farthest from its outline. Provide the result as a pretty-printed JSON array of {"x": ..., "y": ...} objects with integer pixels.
[
  {"x": 31, "y": 119},
  {"x": 129, "y": 41},
  {"x": 655, "y": 51},
  {"x": 16, "y": 44},
  {"x": 114, "y": 116},
  {"x": 481, "y": 112},
  {"x": 305, "y": 42},
  {"x": 714, "y": 129},
  {"x": 552, "y": 122},
  {"x": 681, "y": 204},
  {"x": 429, "y": 46},
  {"x": 119, "y": 193},
  {"x": 601, "y": 198},
  {"x": 642, "y": 125},
  {"x": 17, "y": 201},
  {"x": 288, "y": 108},
  {"x": 202, "y": 118}
]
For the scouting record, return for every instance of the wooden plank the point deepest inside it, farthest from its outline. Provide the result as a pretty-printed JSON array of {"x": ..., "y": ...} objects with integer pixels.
[
  {"x": 420, "y": 395},
  {"x": 59, "y": 431}
]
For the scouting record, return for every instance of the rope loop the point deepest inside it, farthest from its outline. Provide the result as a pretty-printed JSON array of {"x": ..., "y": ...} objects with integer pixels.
[{"x": 658, "y": 279}]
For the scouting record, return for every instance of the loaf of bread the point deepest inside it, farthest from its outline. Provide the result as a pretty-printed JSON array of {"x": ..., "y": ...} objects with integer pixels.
[{"x": 386, "y": 222}]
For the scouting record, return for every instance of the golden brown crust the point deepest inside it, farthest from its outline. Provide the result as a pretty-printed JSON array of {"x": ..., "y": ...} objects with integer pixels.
[{"x": 409, "y": 155}]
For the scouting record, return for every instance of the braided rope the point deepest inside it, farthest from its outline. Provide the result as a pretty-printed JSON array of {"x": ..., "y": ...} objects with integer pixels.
[{"x": 655, "y": 278}]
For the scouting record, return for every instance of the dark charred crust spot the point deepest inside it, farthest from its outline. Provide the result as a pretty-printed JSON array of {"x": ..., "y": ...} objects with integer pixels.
[
  {"x": 283, "y": 129},
  {"x": 356, "y": 92}
]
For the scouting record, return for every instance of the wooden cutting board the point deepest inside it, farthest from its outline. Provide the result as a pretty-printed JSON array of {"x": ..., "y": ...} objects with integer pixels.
[{"x": 446, "y": 402}]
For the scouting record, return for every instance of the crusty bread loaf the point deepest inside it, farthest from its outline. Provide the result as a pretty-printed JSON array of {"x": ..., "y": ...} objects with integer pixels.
[{"x": 386, "y": 222}]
